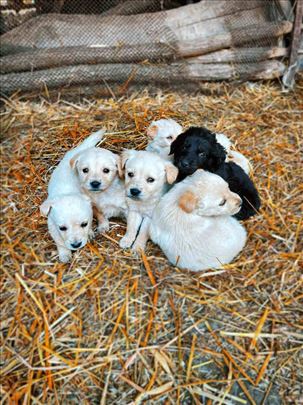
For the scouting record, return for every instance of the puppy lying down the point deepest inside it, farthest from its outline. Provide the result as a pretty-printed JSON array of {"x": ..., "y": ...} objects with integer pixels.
[
  {"x": 146, "y": 179},
  {"x": 193, "y": 226},
  {"x": 69, "y": 212},
  {"x": 198, "y": 148},
  {"x": 98, "y": 172}
]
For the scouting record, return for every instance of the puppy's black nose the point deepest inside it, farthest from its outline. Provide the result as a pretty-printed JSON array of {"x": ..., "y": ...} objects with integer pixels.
[
  {"x": 95, "y": 184},
  {"x": 76, "y": 245},
  {"x": 135, "y": 192}
]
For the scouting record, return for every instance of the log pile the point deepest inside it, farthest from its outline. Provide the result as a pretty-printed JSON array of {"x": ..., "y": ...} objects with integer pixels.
[{"x": 203, "y": 41}]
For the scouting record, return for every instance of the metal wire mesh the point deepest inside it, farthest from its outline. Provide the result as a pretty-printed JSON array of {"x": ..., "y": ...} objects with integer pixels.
[{"x": 115, "y": 41}]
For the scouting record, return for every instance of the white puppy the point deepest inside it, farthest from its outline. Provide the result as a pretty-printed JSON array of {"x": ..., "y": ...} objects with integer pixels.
[
  {"x": 146, "y": 179},
  {"x": 193, "y": 226},
  {"x": 161, "y": 134},
  {"x": 232, "y": 155},
  {"x": 69, "y": 212},
  {"x": 98, "y": 172}
]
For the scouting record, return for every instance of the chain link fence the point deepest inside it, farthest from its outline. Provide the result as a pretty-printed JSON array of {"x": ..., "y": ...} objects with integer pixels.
[{"x": 62, "y": 43}]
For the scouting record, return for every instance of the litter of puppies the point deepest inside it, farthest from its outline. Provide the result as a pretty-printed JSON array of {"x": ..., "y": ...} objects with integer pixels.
[
  {"x": 114, "y": 328},
  {"x": 90, "y": 171}
]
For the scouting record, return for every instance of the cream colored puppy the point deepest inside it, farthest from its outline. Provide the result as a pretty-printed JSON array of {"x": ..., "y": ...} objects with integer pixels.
[
  {"x": 69, "y": 212},
  {"x": 98, "y": 173},
  {"x": 193, "y": 226},
  {"x": 161, "y": 134},
  {"x": 146, "y": 178}
]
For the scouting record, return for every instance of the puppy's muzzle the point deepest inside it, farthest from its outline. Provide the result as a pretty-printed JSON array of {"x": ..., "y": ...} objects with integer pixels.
[
  {"x": 95, "y": 185},
  {"x": 134, "y": 193},
  {"x": 76, "y": 245},
  {"x": 187, "y": 166}
]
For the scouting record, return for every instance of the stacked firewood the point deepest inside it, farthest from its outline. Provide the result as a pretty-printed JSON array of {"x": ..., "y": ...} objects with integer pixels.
[{"x": 208, "y": 40}]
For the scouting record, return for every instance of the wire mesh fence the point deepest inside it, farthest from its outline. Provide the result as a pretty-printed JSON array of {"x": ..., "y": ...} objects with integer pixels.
[{"x": 61, "y": 43}]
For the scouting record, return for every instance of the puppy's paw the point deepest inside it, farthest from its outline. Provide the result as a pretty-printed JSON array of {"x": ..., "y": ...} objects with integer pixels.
[
  {"x": 65, "y": 257},
  {"x": 138, "y": 247},
  {"x": 125, "y": 242},
  {"x": 103, "y": 226}
]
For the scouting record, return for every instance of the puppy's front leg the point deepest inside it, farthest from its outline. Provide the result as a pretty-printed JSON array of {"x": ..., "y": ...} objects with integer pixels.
[
  {"x": 134, "y": 220},
  {"x": 65, "y": 254},
  {"x": 103, "y": 223},
  {"x": 143, "y": 235}
]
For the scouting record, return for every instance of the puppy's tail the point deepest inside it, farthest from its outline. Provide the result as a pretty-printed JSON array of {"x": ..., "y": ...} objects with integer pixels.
[{"x": 90, "y": 141}]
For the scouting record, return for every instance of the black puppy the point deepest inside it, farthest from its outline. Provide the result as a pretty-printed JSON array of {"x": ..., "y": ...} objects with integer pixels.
[{"x": 197, "y": 148}]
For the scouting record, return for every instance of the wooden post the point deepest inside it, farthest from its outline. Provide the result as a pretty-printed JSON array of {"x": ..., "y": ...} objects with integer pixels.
[{"x": 289, "y": 76}]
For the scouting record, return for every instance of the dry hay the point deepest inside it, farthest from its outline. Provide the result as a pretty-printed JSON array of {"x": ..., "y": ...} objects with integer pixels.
[{"x": 113, "y": 329}]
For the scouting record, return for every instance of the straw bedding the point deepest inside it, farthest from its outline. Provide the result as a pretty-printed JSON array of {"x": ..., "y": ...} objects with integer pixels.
[{"x": 113, "y": 329}]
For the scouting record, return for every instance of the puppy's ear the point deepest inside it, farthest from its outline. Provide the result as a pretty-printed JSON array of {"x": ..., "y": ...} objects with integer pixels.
[
  {"x": 152, "y": 130},
  {"x": 119, "y": 166},
  {"x": 126, "y": 154},
  {"x": 171, "y": 173},
  {"x": 46, "y": 207},
  {"x": 217, "y": 156},
  {"x": 177, "y": 143},
  {"x": 188, "y": 201},
  {"x": 74, "y": 160}
]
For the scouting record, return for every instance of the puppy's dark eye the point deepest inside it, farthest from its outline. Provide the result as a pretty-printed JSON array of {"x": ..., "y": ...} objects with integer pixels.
[
  {"x": 201, "y": 154},
  {"x": 84, "y": 225},
  {"x": 130, "y": 174},
  {"x": 63, "y": 228},
  {"x": 85, "y": 170},
  {"x": 222, "y": 203},
  {"x": 169, "y": 137},
  {"x": 150, "y": 180},
  {"x": 105, "y": 170}
]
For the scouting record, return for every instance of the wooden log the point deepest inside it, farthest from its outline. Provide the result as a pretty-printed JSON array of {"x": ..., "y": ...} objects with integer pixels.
[
  {"x": 240, "y": 55},
  {"x": 181, "y": 24},
  {"x": 49, "y": 58},
  {"x": 234, "y": 38},
  {"x": 294, "y": 60},
  {"x": 179, "y": 72},
  {"x": 69, "y": 56},
  {"x": 129, "y": 7}
]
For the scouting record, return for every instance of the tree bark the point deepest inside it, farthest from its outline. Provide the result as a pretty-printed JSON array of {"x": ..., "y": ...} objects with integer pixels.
[
  {"x": 240, "y": 55},
  {"x": 179, "y": 72}
]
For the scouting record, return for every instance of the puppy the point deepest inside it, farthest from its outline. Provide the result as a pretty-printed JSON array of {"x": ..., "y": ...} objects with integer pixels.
[
  {"x": 69, "y": 212},
  {"x": 193, "y": 226},
  {"x": 146, "y": 178},
  {"x": 161, "y": 134},
  {"x": 197, "y": 148},
  {"x": 98, "y": 172}
]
